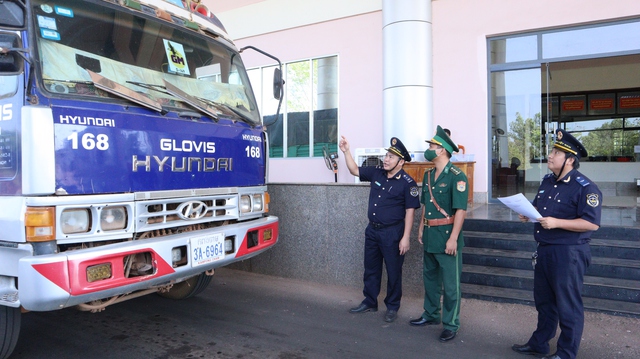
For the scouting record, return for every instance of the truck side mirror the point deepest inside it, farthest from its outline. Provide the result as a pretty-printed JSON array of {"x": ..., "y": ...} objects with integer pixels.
[
  {"x": 278, "y": 84},
  {"x": 11, "y": 15},
  {"x": 11, "y": 61}
]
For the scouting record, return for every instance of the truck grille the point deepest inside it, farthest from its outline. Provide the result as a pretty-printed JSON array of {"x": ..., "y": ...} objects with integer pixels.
[{"x": 175, "y": 212}]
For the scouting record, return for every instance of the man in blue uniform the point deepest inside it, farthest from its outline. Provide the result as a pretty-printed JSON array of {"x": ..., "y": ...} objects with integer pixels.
[
  {"x": 444, "y": 206},
  {"x": 570, "y": 206},
  {"x": 393, "y": 199}
]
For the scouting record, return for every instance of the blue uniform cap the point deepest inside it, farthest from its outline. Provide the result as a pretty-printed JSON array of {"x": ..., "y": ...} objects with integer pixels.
[
  {"x": 397, "y": 148},
  {"x": 567, "y": 143}
]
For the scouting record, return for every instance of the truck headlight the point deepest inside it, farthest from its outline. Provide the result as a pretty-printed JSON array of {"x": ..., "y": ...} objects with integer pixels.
[
  {"x": 245, "y": 204},
  {"x": 257, "y": 202},
  {"x": 113, "y": 218},
  {"x": 76, "y": 220}
]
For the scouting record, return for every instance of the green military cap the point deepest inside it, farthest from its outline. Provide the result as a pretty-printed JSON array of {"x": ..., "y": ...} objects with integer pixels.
[{"x": 442, "y": 139}]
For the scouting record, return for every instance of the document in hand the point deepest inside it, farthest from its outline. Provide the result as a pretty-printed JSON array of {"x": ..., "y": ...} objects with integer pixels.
[{"x": 520, "y": 204}]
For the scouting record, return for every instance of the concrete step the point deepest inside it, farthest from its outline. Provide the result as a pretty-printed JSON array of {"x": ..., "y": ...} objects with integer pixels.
[
  {"x": 595, "y": 287},
  {"x": 508, "y": 295},
  {"x": 610, "y": 248},
  {"x": 600, "y": 266},
  {"x": 497, "y": 265},
  {"x": 516, "y": 227}
]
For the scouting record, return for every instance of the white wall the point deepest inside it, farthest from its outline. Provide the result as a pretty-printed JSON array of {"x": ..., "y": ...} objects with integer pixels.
[{"x": 357, "y": 40}]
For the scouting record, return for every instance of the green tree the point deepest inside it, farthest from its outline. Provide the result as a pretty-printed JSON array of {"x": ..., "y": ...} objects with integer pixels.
[
  {"x": 524, "y": 139},
  {"x": 611, "y": 140},
  {"x": 299, "y": 86}
]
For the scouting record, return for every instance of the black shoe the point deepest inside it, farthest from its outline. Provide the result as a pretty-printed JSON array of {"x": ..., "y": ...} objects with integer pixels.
[
  {"x": 447, "y": 335},
  {"x": 420, "y": 322},
  {"x": 526, "y": 349},
  {"x": 552, "y": 356},
  {"x": 362, "y": 308},
  {"x": 390, "y": 316}
]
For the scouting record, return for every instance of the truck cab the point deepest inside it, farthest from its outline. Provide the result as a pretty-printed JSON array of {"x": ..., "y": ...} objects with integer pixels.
[{"x": 133, "y": 158}]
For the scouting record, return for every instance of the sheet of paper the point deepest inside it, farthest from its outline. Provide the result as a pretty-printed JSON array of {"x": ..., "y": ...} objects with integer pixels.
[{"x": 520, "y": 204}]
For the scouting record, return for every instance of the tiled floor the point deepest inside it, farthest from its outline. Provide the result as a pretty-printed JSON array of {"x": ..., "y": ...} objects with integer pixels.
[{"x": 616, "y": 211}]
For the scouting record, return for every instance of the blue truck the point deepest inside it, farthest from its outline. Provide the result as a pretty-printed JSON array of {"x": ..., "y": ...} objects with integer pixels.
[{"x": 133, "y": 159}]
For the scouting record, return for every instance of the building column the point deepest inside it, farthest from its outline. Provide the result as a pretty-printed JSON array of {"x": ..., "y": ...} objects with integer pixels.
[{"x": 407, "y": 72}]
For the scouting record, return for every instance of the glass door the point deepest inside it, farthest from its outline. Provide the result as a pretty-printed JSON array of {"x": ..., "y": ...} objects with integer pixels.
[
  {"x": 597, "y": 101},
  {"x": 550, "y": 120},
  {"x": 517, "y": 143}
]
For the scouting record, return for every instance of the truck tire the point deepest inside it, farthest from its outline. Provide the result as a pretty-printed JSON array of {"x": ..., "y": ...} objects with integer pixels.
[
  {"x": 9, "y": 329},
  {"x": 188, "y": 288}
]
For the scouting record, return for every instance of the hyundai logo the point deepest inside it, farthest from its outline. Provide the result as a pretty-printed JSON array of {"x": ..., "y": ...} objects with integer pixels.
[{"x": 192, "y": 210}]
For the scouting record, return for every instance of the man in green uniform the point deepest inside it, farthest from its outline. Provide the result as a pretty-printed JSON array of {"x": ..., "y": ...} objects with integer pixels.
[{"x": 444, "y": 207}]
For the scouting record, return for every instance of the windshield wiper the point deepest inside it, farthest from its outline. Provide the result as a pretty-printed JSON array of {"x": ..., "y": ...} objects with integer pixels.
[
  {"x": 192, "y": 100},
  {"x": 211, "y": 108},
  {"x": 115, "y": 88},
  {"x": 153, "y": 87},
  {"x": 226, "y": 108},
  {"x": 59, "y": 81}
]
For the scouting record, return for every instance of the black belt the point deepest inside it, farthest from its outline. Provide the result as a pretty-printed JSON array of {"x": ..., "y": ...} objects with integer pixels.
[{"x": 377, "y": 225}]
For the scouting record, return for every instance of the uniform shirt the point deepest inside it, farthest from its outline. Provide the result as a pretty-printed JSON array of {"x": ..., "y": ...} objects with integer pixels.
[
  {"x": 389, "y": 198},
  {"x": 451, "y": 192},
  {"x": 574, "y": 196}
]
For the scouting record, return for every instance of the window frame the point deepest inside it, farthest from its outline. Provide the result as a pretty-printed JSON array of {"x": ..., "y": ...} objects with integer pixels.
[{"x": 263, "y": 97}]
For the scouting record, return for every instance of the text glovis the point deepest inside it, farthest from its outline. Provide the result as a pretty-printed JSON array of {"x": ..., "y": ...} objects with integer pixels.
[{"x": 167, "y": 144}]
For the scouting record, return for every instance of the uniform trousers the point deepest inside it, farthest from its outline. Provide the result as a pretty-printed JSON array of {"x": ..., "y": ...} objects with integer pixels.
[
  {"x": 557, "y": 291},
  {"x": 381, "y": 244},
  {"x": 441, "y": 274}
]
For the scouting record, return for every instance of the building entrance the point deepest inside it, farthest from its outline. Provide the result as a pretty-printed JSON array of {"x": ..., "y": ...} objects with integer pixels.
[{"x": 573, "y": 81}]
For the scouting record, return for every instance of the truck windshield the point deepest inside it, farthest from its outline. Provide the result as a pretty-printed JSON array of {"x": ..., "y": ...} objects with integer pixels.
[{"x": 140, "y": 52}]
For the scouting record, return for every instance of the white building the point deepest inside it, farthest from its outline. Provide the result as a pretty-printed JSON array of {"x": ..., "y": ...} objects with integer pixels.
[{"x": 373, "y": 69}]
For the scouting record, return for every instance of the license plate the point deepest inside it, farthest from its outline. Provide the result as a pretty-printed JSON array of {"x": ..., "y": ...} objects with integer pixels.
[{"x": 207, "y": 249}]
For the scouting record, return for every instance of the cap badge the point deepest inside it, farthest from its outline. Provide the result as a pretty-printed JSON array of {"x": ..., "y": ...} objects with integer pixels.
[
  {"x": 394, "y": 141},
  {"x": 559, "y": 135}
]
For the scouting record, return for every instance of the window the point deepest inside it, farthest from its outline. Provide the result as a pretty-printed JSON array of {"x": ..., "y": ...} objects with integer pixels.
[
  {"x": 514, "y": 49},
  {"x": 611, "y": 140},
  {"x": 131, "y": 51},
  {"x": 8, "y": 86},
  {"x": 309, "y": 116},
  {"x": 587, "y": 41},
  {"x": 581, "y": 79}
]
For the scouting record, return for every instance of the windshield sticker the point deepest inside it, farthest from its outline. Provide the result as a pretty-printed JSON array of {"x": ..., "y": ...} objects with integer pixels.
[
  {"x": 45, "y": 22},
  {"x": 49, "y": 34},
  {"x": 46, "y": 8},
  {"x": 176, "y": 3},
  {"x": 177, "y": 60},
  {"x": 64, "y": 11}
]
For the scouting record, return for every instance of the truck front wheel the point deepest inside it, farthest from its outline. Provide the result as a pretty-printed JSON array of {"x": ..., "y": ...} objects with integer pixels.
[
  {"x": 188, "y": 288},
  {"x": 9, "y": 329}
]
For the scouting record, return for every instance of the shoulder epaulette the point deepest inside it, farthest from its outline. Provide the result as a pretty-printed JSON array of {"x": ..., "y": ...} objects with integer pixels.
[
  {"x": 456, "y": 171},
  {"x": 582, "y": 180},
  {"x": 430, "y": 169},
  {"x": 548, "y": 175},
  {"x": 408, "y": 178}
]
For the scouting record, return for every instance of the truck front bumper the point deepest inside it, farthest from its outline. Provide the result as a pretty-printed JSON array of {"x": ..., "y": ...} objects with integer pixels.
[{"x": 55, "y": 281}]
